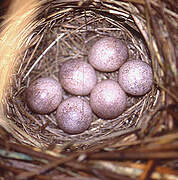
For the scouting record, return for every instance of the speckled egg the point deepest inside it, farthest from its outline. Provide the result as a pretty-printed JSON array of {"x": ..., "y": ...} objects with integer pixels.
[
  {"x": 108, "y": 54},
  {"x": 135, "y": 77},
  {"x": 74, "y": 115},
  {"x": 43, "y": 95},
  {"x": 77, "y": 77},
  {"x": 107, "y": 99}
]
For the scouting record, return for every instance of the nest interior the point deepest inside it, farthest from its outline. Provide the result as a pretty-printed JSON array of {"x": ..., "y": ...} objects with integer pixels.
[{"x": 68, "y": 33}]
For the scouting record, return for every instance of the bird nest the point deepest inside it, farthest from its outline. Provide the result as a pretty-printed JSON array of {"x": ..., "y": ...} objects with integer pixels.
[
  {"x": 64, "y": 30},
  {"x": 69, "y": 33}
]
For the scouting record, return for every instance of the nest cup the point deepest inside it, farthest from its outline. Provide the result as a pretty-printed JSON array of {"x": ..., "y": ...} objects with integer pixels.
[{"x": 67, "y": 31}]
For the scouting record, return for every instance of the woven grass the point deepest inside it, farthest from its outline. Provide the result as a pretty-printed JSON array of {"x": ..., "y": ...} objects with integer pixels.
[{"x": 55, "y": 31}]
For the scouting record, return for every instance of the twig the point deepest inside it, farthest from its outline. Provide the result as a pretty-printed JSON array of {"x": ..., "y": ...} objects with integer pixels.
[{"x": 45, "y": 168}]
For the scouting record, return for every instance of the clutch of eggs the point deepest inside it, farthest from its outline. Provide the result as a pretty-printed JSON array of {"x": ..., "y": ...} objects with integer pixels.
[{"x": 107, "y": 98}]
